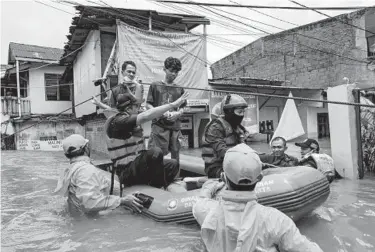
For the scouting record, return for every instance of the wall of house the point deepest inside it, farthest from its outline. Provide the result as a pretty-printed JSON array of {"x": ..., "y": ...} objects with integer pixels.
[
  {"x": 300, "y": 58},
  {"x": 45, "y": 136},
  {"x": 312, "y": 120},
  {"x": 37, "y": 92},
  {"x": 86, "y": 68}
]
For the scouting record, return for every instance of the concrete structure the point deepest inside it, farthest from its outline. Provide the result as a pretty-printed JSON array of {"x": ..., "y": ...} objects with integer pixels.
[
  {"x": 32, "y": 93},
  {"x": 317, "y": 55},
  {"x": 344, "y": 139}
]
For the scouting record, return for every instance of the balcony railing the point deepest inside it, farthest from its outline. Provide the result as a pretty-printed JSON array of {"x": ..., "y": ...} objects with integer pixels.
[{"x": 9, "y": 106}]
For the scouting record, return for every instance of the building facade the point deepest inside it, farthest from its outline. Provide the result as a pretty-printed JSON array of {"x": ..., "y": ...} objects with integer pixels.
[
  {"x": 36, "y": 105},
  {"x": 314, "y": 56}
]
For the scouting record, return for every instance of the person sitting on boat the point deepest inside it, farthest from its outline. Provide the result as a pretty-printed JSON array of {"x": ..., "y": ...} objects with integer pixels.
[
  {"x": 312, "y": 158},
  {"x": 278, "y": 157},
  {"x": 236, "y": 222},
  {"x": 125, "y": 143},
  {"x": 223, "y": 132},
  {"x": 85, "y": 185}
]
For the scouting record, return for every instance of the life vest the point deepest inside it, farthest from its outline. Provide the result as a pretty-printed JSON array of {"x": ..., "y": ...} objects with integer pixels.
[
  {"x": 125, "y": 150},
  {"x": 135, "y": 88},
  {"x": 324, "y": 163},
  {"x": 231, "y": 139}
]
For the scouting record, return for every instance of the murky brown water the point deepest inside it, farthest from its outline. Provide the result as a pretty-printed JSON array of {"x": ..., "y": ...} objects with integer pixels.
[{"x": 34, "y": 220}]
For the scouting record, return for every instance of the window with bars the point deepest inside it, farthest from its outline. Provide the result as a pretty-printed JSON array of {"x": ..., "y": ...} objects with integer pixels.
[
  {"x": 371, "y": 46},
  {"x": 56, "y": 91}
]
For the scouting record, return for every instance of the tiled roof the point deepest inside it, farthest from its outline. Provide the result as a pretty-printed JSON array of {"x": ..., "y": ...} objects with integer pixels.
[{"x": 33, "y": 52}]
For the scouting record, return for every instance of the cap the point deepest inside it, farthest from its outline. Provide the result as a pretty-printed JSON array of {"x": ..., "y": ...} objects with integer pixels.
[
  {"x": 74, "y": 143},
  {"x": 242, "y": 165},
  {"x": 124, "y": 100},
  {"x": 309, "y": 143}
]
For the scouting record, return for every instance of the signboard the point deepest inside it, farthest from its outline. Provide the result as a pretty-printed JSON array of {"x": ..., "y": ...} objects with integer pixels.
[
  {"x": 186, "y": 123},
  {"x": 149, "y": 49},
  {"x": 48, "y": 145},
  {"x": 251, "y": 118}
]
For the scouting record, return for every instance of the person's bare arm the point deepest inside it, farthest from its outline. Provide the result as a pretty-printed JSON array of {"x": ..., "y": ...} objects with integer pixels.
[
  {"x": 98, "y": 103},
  {"x": 157, "y": 112}
]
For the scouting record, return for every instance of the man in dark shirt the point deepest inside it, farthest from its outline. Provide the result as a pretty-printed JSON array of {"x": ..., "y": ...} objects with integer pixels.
[
  {"x": 133, "y": 163},
  {"x": 166, "y": 130},
  {"x": 278, "y": 157},
  {"x": 128, "y": 71}
]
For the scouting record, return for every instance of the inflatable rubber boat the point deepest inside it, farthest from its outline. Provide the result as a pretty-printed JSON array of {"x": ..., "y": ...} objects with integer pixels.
[{"x": 296, "y": 191}]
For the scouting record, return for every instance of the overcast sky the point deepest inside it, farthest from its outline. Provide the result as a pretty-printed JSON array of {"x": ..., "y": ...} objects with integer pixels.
[{"x": 31, "y": 22}]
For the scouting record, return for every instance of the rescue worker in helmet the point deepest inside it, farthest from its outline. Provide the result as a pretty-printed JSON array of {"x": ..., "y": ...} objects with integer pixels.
[
  {"x": 124, "y": 135},
  {"x": 223, "y": 132},
  {"x": 236, "y": 222},
  {"x": 86, "y": 186},
  {"x": 312, "y": 158}
]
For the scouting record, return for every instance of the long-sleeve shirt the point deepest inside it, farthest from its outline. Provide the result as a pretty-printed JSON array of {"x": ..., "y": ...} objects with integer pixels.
[
  {"x": 88, "y": 189},
  {"x": 236, "y": 222},
  {"x": 281, "y": 161}
]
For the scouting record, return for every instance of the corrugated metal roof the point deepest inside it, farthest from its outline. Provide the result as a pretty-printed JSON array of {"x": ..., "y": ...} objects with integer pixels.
[
  {"x": 34, "y": 52},
  {"x": 92, "y": 17},
  {"x": 4, "y": 68}
]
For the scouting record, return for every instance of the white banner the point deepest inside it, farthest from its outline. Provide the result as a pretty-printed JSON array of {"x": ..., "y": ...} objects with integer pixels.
[{"x": 149, "y": 49}]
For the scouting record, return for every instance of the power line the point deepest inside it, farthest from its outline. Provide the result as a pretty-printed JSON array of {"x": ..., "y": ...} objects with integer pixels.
[
  {"x": 312, "y": 48},
  {"x": 265, "y": 14},
  {"x": 126, "y": 14},
  {"x": 262, "y": 6},
  {"x": 211, "y": 90},
  {"x": 301, "y": 34},
  {"x": 60, "y": 85},
  {"x": 315, "y": 9}
]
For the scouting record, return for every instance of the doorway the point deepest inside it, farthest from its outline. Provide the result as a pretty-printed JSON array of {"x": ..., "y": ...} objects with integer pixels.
[{"x": 323, "y": 125}]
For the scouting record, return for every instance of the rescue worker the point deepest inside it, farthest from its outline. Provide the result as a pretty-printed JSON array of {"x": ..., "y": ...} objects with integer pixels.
[
  {"x": 86, "y": 187},
  {"x": 166, "y": 130},
  {"x": 129, "y": 82},
  {"x": 278, "y": 157},
  {"x": 124, "y": 135},
  {"x": 312, "y": 158},
  {"x": 223, "y": 132},
  {"x": 236, "y": 222}
]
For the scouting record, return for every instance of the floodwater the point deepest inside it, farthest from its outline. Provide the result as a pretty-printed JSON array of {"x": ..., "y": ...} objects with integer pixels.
[{"x": 32, "y": 219}]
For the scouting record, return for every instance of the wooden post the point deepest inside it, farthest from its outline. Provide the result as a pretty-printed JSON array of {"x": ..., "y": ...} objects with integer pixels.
[{"x": 18, "y": 88}]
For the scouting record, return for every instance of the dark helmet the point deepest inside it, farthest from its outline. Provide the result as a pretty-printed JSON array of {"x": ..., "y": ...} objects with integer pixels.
[{"x": 233, "y": 101}]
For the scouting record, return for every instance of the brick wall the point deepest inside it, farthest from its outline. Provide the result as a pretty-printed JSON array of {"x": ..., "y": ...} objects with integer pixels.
[{"x": 300, "y": 58}]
